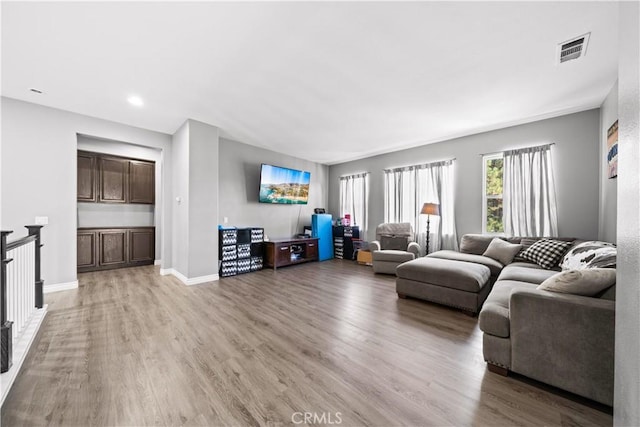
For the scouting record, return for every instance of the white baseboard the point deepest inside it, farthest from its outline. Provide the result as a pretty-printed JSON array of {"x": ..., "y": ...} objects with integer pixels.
[
  {"x": 57, "y": 287},
  {"x": 188, "y": 281},
  {"x": 201, "y": 279},
  {"x": 21, "y": 349},
  {"x": 179, "y": 276},
  {"x": 157, "y": 262}
]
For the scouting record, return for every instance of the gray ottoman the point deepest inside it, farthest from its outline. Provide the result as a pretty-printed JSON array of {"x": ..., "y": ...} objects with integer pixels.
[
  {"x": 459, "y": 284},
  {"x": 386, "y": 261}
]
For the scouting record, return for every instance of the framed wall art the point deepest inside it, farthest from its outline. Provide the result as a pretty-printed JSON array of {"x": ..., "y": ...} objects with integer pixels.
[{"x": 612, "y": 150}]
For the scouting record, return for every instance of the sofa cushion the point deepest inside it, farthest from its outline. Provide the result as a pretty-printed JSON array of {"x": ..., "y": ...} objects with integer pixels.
[
  {"x": 587, "y": 282},
  {"x": 591, "y": 254},
  {"x": 608, "y": 294},
  {"x": 391, "y": 255},
  {"x": 394, "y": 229},
  {"x": 502, "y": 251},
  {"x": 494, "y": 266},
  {"x": 526, "y": 274},
  {"x": 525, "y": 264},
  {"x": 494, "y": 317},
  {"x": 546, "y": 252},
  {"x": 396, "y": 243},
  {"x": 475, "y": 243},
  {"x": 464, "y": 276}
]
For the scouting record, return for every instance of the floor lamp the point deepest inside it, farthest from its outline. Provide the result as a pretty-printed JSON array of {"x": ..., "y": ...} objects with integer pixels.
[{"x": 429, "y": 209}]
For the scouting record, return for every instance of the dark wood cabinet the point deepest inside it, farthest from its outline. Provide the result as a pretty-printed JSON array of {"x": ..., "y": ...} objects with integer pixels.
[
  {"x": 280, "y": 253},
  {"x": 108, "y": 248},
  {"x": 312, "y": 250},
  {"x": 112, "y": 248},
  {"x": 141, "y": 182},
  {"x": 87, "y": 246},
  {"x": 142, "y": 243},
  {"x": 87, "y": 185},
  {"x": 112, "y": 179}
]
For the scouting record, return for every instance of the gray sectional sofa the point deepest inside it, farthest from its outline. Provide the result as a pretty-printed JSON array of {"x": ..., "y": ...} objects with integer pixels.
[{"x": 560, "y": 339}]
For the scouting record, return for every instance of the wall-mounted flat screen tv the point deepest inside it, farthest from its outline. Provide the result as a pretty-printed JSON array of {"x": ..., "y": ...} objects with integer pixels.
[{"x": 284, "y": 186}]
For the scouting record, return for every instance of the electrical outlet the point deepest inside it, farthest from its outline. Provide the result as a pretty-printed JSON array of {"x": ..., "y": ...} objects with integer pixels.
[
  {"x": 42, "y": 220},
  {"x": 225, "y": 220}
]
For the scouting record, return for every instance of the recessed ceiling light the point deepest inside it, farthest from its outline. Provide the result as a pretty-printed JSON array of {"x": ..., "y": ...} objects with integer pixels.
[
  {"x": 34, "y": 90},
  {"x": 135, "y": 101}
]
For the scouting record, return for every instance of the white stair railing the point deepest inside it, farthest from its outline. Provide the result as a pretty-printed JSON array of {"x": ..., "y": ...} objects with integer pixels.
[{"x": 21, "y": 288}]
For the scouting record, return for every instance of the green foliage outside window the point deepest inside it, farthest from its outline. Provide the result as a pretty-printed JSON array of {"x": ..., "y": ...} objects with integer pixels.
[
  {"x": 494, "y": 177},
  {"x": 494, "y": 216},
  {"x": 494, "y": 195}
]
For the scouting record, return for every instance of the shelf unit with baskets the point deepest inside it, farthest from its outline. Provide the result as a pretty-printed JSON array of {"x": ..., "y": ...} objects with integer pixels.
[
  {"x": 241, "y": 250},
  {"x": 343, "y": 241}
]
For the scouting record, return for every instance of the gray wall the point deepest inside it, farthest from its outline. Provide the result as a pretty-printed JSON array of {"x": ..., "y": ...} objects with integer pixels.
[
  {"x": 180, "y": 200},
  {"x": 576, "y": 165},
  {"x": 38, "y": 167},
  {"x": 116, "y": 215},
  {"x": 240, "y": 183},
  {"x": 203, "y": 199},
  {"x": 195, "y": 183},
  {"x": 124, "y": 215},
  {"x": 608, "y": 187},
  {"x": 627, "y": 369}
]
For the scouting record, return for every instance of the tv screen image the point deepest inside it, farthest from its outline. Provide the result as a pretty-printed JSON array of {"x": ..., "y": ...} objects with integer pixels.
[{"x": 284, "y": 185}]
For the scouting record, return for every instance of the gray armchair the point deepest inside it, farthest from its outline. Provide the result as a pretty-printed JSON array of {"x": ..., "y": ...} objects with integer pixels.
[{"x": 393, "y": 245}]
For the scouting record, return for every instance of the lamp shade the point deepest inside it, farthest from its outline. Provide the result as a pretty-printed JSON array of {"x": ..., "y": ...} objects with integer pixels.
[{"x": 430, "y": 209}]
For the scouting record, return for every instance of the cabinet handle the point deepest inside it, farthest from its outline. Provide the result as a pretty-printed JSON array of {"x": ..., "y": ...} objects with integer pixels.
[
  {"x": 284, "y": 248},
  {"x": 311, "y": 244}
]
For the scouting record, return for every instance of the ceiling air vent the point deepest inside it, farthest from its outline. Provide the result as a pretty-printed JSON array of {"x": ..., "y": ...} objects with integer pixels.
[{"x": 573, "y": 49}]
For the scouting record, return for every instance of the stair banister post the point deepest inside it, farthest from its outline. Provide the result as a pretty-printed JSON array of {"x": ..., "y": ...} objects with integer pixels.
[
  {"x": 34, "y": 230},
  {"x": 6, "y": 337}
]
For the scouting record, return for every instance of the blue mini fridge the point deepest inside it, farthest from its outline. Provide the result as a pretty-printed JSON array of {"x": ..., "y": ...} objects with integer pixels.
[{"x": 322, "y": 228}]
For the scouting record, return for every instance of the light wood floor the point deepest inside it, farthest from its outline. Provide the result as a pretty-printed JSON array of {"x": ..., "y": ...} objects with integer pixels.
[{"x": 130, "y": 347}]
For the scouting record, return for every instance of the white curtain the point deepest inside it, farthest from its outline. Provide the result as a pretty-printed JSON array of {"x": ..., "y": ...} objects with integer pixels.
[
  {"x": 529, "y": 195},
  {"x": 354, "y": 199},
  {"x": 408, "y": 188}
]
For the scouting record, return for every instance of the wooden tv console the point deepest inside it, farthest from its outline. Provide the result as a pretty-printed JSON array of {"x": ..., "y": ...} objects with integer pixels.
[{"x": 283, "y": 252}]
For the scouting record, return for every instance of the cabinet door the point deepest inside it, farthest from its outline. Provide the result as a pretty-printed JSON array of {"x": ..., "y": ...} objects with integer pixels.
[
  {"x": 113, "y": 180},
  {"x": 112, "y": 247},
  {"x": 86, "y": 177},
  {"x": 312, "y": 250},
  {"x": 86, "y": 257},
  {"x": 283, "y": 254},
  {"x": 142, "y": 245},
  {"x": 142, "y": 182}
]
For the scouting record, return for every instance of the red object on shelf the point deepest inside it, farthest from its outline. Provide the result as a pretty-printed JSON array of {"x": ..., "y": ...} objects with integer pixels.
[{"x": 347, "y": 220}]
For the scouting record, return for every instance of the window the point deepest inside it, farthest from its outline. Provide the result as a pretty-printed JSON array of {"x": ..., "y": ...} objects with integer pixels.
[
  {"x": 529, "y": 193},
  {"x": 407, "y": 188},
  {"x": 492, "y": 193},
  {"x": 354, "y": 198}
]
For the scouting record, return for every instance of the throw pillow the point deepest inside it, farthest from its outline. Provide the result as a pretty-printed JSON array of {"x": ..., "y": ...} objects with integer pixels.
[
  {"x": 502, "y": 251},
  {"x": 526, "y": 243},
  {"x": 546, "y": 252},
  {"x": 592, "y": 254},
  {"x": 588, "y": 282},
  {"x": 394, "y": 243}
]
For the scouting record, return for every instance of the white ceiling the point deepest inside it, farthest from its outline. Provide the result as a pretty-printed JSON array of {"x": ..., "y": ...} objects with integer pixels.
[{"x": 322, "y": 81}]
